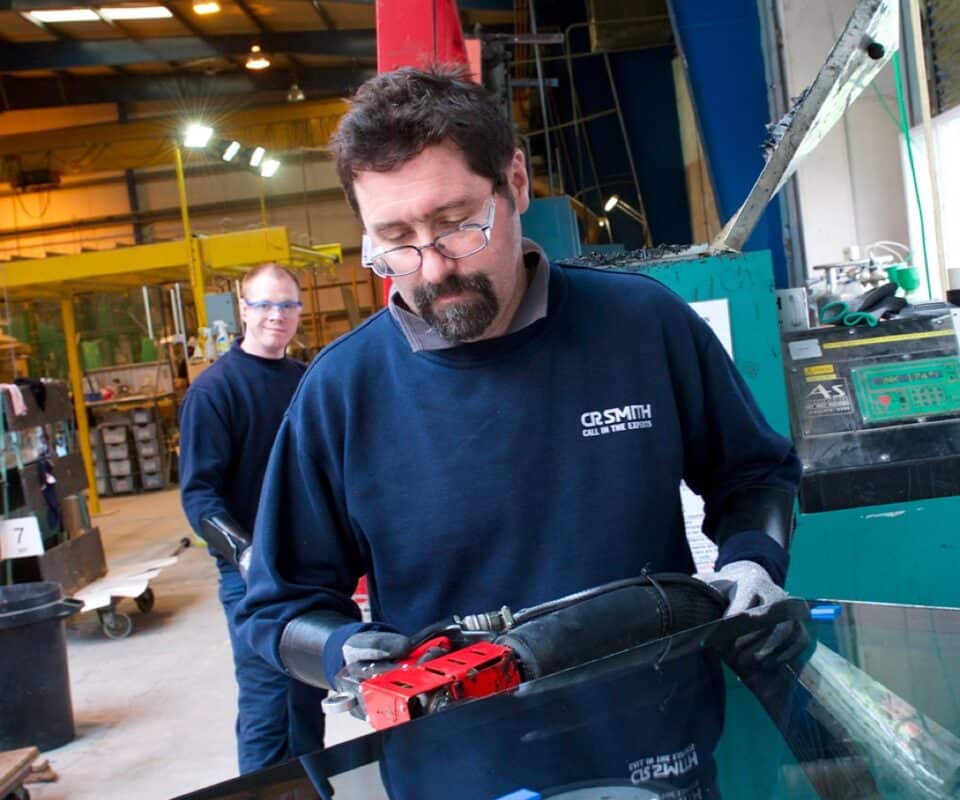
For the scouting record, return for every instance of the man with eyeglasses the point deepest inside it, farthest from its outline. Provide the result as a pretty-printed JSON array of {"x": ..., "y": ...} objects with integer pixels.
[
  {"x": 506, "y": 432},
  {"x": 228, "y": 421}
]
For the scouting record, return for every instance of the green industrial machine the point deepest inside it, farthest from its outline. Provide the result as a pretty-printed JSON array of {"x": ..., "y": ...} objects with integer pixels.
[
  {"x": 875, "y": 416},
  {"x": 876, "y": 420}
]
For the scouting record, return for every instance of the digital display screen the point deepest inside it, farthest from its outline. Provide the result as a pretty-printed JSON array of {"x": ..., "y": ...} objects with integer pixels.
[{"x": 898, "y": 379}]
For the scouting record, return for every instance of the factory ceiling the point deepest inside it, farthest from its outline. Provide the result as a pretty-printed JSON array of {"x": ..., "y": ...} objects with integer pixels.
[{"x": 316, "y": 49}]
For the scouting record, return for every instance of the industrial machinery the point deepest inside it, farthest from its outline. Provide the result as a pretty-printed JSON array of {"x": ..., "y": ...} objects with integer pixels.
[
  {"x": 871, "y": 409},
  {"x": 876, "y": 411}
]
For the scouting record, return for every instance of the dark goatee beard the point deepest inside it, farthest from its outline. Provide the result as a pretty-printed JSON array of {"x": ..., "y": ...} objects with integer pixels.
[{"x": 463, "y": 321}]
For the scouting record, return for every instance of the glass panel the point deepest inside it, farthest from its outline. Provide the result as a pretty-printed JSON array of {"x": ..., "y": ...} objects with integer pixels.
[{"x": 869, "y": 710}]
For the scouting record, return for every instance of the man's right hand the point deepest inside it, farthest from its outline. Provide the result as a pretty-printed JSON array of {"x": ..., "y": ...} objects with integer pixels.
[{"x": 375, "y": 646}]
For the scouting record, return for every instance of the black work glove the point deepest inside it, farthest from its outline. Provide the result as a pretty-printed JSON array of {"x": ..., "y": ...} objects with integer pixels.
[{"x": 230, "y": 539}]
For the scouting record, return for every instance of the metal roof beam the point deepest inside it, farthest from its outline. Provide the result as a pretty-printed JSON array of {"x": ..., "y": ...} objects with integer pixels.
[
  {"x": 198, "y": 211},
  {"x": 112, "y": 52},
  {"x": 66, "y": 89}
]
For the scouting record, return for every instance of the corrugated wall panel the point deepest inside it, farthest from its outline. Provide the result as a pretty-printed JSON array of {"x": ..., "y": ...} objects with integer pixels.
[{"x": 943, "y": 38}]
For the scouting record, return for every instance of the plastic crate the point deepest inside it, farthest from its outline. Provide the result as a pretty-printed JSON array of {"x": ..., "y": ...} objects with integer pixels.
[
  {"x": 150, "y": 465},
  {"x": 141, "y": 416},
  {"x": 117, "y": 451},
  {"x": 120, "y": 467},
  {"x": 122, "y": 485},
  {"x": 153, "y": 480},
  {"x": 148, "y": 449},
  {"x": 143, "y": 433},
  {"x": 114, "y": 434}
]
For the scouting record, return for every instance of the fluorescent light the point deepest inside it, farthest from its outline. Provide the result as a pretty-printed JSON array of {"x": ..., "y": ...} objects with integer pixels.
[
  {"x": 211, "y": 7},
  {"x": 611, "y": 203},
  {"x": 257, "y": 58},
  {"x": 135, "y": 12},
  {"x": 64, "y": 15},
  {"x": 257, "y": 156},
  {"x": 232, "y": 149},
  {"x": 197, "y": 135},
  {"x": 269, "y": 168}
]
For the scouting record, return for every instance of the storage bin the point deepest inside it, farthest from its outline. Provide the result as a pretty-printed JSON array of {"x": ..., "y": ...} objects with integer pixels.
[
  {"x": 144, "y": 433},
  {"x": 148, "y": 449},
  {"x": 149, "y": 465},
  {"x": 114, "y": 434},
  {"x": 122, "y": 485},
  {"x": 120, "y": 467},
  {"x": 117, "y": 451},
  {"x": 152, "y": 480},
  {"x": 141, "y": 416}
]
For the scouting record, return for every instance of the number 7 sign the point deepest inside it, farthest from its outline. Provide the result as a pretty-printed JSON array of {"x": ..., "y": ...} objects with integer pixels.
[{"x": 20, "y": 537}]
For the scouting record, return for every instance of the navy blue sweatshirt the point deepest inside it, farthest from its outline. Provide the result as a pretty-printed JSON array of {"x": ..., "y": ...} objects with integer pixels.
[
  {"x": 511, "y": 471},
  {"x": 228, "y": 421},
  {"x": 507, "y": 471}
]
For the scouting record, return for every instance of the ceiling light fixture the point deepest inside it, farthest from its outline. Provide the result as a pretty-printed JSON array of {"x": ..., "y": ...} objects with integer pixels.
[
  {"x": 269, "y": 168},
  {"x": 210, "y": 7},
  {"x": 64, "y": 15},
  {"x": 257, "y": 58},
  {"x": 232, "y": 149},
  {"x": 197, "y": 135},
  {"x": 121, "y": 13},
  {"x": 295, "y": 93},
  {"x": 257, "y": 156}
]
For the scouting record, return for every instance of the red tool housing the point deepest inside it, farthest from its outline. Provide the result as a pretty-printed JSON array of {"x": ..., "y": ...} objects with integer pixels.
[{"x": 412, "y": 690}]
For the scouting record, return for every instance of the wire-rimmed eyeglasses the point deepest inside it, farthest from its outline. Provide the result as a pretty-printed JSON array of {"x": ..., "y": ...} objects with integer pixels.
[
  {"x": 287, "y": 308},
  {"x": 465, "y": 240}
]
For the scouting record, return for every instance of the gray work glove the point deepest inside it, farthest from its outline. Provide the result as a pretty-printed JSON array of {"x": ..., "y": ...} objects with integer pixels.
[
  {"x": 750, "y": 590},
  {"x": 375, "y": 646},
  {"x": 745, "y": 584}
]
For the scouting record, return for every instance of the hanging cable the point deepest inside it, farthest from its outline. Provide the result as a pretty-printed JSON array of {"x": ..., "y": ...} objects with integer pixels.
[{"x": 913, "y": 170}]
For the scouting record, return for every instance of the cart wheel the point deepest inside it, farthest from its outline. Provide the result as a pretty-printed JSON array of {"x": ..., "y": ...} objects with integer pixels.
[
  {"x": 145, "y": 600},
  {"x": 115, "y": 624}
]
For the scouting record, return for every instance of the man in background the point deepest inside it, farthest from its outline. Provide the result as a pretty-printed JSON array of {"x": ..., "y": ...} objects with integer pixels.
[{"x": 228, "y": 421}]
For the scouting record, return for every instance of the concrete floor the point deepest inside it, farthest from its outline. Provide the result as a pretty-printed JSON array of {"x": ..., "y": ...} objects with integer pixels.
[{"x": 154, "y": 712}]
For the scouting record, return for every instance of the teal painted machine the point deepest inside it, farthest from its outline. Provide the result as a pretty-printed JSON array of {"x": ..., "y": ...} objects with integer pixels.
[{"x": 898, "y": 552}]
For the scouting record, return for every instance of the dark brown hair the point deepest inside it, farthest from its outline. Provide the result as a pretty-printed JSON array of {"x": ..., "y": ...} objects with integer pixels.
[
  {"x": 394, "y": 116},
  {"x": 268, "y": 267}
]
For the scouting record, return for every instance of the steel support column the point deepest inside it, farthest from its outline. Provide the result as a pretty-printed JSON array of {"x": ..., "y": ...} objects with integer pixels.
[
  {"x": 194, "y": 265},
  {"x": 79, "y": 406}
]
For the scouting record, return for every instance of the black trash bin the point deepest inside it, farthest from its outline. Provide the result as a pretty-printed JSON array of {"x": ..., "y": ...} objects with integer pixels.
[{"x": 35, "y": 706}]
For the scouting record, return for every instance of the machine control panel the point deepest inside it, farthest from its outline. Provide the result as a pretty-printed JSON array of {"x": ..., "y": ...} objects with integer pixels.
[{"x": 907, "y": 389}]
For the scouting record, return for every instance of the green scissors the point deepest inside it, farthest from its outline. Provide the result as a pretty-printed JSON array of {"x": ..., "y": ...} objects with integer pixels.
[{"x": 839, "y": 313}]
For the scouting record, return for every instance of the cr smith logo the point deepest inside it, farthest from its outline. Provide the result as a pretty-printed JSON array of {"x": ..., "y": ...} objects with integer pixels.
[{"x": 615, "y": 420}]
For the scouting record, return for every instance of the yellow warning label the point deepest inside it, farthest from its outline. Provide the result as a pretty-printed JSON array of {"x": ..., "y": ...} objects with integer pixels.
[
  {"x": 819, "y": 372},
  {"x": 900, "y": 337}
]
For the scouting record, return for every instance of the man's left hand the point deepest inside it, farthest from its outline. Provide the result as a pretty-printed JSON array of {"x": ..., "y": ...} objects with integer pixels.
[
  {"x": 745, "y": 584},
  {"x": 749, "y": 589}
]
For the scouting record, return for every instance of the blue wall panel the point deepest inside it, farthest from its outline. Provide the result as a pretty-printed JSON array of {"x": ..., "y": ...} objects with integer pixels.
[{"x": 721, "y": 43}]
